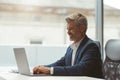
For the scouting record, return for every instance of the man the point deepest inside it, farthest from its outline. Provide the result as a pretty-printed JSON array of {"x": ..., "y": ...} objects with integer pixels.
[{"x": 82, "y": 58}]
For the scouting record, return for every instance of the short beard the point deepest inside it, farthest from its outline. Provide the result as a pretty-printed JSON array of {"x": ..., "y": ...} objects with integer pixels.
[{"x": 71, "y": 39}]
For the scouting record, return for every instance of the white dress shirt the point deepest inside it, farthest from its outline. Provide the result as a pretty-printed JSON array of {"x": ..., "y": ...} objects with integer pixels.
[{"x": 74, "y": 46}]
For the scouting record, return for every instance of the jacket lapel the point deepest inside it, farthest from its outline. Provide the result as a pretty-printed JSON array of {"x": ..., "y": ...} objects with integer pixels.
[
  {"x": 81, "y": 49},
  {"x": 69, "y": 57}
]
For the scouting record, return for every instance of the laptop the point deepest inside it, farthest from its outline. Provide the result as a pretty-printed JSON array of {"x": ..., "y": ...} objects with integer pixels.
[{"x": 22, "y": 62}]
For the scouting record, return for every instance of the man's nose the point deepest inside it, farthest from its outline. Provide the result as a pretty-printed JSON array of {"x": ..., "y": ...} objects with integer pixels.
[
  {"x": 68, "y": 28},
  {"x": 69, "y": 31}
]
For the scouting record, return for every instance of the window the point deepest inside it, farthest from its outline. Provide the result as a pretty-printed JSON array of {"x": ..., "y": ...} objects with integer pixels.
[
  {"x": 41, "y": 21},
  {"x": 111, "y": 20}
]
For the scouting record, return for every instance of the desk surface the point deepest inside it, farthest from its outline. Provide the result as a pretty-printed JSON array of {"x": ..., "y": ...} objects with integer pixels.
[{"x": 5, "y": 74}]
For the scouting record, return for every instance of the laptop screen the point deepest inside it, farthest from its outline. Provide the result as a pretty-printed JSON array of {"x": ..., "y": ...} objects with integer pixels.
[{"x": 21, "y": 60}]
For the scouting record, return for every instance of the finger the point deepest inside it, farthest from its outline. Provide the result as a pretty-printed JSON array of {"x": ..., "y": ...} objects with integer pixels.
[{"x": 35, "y": 70}]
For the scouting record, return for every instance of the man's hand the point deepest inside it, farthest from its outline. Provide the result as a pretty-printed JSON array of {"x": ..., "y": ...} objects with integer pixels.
[{"x": 41, "y": 69}]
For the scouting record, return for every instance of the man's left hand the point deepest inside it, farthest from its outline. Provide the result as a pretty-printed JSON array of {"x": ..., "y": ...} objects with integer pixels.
[{"x": 41, "y": 69}]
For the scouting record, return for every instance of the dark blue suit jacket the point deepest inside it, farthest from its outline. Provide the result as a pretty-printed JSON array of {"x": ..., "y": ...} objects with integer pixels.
[{"x": 87, "y": 61}]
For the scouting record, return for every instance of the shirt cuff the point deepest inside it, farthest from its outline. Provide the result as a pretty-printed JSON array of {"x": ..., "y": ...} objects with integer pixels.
[{"x": 51, "y": 70}]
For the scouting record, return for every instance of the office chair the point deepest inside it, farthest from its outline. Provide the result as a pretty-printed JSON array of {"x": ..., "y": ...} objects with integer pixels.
[{"x": 111, "y": 65}]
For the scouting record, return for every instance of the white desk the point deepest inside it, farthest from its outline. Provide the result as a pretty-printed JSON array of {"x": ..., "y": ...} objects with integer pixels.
[{"x": 7, "y": 75}]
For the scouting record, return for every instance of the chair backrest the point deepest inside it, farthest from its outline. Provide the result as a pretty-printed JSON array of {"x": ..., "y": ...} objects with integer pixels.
[{"x": 111, "y": 65}]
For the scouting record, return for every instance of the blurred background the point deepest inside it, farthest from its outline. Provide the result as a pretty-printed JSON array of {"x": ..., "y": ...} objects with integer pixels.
[
  {"x": 43, "y": 21},
  {"x": 40, "y": 26}
]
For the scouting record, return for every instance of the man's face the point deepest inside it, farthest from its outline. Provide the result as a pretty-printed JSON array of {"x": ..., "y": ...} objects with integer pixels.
[{"x": 74, "y": 31}]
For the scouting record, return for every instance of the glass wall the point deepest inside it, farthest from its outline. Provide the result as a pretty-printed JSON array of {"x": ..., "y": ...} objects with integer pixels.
[
  {"x": 111, "y": 20},
  {"x": 41, "y": 21}
]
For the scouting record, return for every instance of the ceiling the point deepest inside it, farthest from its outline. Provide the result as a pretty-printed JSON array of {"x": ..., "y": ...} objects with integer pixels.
[
  {"x": 55, "y": 3},
  {"x": 53, "y": 6}
]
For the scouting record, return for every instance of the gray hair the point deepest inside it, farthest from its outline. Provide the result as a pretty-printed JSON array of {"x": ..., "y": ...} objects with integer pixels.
[{"x": 78, "y": 18}]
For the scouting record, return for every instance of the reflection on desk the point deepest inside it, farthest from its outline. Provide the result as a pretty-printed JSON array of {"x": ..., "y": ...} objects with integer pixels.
[{"x": 5, "y": 74}]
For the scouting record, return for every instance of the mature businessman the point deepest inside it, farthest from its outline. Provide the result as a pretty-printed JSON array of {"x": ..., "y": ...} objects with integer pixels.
[{"x": 82, "y": 58}]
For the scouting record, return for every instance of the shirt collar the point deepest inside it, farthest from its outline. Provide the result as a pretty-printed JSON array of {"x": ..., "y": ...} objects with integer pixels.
[{"x": 76, "y": 45}]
